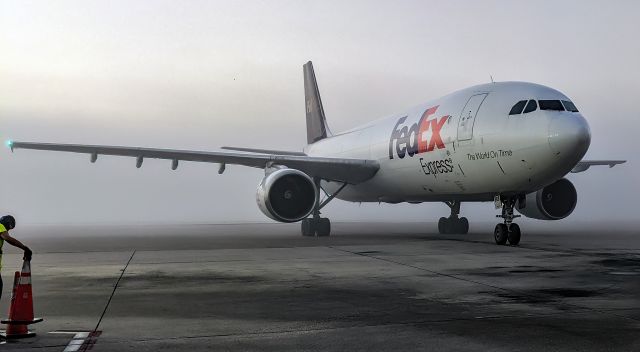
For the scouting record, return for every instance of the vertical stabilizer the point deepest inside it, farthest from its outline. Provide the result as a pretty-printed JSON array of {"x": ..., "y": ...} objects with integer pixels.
[{"x": 316, "y": 122}]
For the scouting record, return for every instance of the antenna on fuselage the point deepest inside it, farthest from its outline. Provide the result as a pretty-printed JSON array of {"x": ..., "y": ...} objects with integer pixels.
[{"x": 490, "y": 76}]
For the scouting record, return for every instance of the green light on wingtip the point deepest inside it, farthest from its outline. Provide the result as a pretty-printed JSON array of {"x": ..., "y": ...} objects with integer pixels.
[{"x": 9, "y": 143}]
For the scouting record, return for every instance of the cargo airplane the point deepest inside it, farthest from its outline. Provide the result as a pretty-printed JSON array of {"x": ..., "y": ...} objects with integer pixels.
[{"x": 512, "y": 143}]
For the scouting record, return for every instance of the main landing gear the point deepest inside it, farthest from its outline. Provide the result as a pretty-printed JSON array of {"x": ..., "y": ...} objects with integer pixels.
[
  {"x": 507, "y": 231},
  {"x": 316, "y": 225},
  {"x": 453, "y": 224}
]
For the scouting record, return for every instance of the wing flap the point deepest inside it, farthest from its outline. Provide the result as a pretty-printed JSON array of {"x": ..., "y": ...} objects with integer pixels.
[
  {"x": 264, "y": 151},
  {"x": 351, "y": 171}
]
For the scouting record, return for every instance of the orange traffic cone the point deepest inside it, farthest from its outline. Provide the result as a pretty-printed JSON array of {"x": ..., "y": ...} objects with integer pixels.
[{"x": 21, "y": 310}]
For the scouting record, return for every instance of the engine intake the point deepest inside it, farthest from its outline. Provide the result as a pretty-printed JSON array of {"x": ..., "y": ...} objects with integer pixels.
[
  {"x": 286, "y": 195},
  {"x": 554, "y": 202}
]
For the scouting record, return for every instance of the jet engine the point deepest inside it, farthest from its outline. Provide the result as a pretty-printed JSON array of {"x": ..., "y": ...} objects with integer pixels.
[
  {"x": 286, "y": 195},
  {"x": 554, "y": 202}
]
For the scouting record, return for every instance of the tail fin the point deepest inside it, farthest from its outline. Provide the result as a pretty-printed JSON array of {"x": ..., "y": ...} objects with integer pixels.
[{"x": 317, "y": 128}]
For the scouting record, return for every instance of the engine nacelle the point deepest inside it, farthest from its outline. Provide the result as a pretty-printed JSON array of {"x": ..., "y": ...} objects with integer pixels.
[
  {"x": 286, "y": 195},
  {"x": 554, "y": 202}
]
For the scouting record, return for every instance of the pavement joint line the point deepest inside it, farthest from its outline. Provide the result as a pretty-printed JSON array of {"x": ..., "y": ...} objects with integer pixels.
[
  {"x": 115, "y": 287},
  {"x": 47, "y": 346},
  {"x": 517, "y": 292},
  {"x": 360, "y": 326}
]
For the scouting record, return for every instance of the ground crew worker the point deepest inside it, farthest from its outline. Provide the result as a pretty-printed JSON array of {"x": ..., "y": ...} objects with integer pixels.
[{"x": 8, "y": 223}]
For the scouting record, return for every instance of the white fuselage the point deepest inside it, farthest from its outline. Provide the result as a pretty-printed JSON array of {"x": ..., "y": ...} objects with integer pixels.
[{"x": 464, "y": 146}]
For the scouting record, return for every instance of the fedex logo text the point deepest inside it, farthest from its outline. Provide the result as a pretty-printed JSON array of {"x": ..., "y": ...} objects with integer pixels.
[{"x": 414, "y": 139}]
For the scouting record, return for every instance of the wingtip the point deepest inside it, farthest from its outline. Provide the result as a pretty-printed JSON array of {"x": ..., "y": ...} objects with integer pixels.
[{"x": 9, "y": 144}]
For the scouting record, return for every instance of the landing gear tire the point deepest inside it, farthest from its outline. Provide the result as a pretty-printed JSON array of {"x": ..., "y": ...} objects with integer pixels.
[
  {"x": 453, "y": 224},
  {"x": 464, "y": 226},
  {"x": 443, "y": 225},
  {"x": 323, "y": 227},
  {"x": 315, "y": 227},
  {"x": 501, "y": 234},
  {"x": 450, "y": 226},
  {"x": 514, "y": 234},
  {"x": 307, "y": 228},
  {"x": 508, "y": 231}
]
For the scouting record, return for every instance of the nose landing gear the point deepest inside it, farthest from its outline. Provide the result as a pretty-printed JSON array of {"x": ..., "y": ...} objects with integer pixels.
[
  {"x": 453, "y": 224},
  {"x": 507, "y": 231}
]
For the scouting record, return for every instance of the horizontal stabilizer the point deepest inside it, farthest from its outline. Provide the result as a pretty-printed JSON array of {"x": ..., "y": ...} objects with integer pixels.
[{"x": 584, "y": 165}]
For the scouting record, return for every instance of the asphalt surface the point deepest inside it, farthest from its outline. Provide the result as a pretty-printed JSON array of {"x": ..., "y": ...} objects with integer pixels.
[{"x": 369, "y": 287}]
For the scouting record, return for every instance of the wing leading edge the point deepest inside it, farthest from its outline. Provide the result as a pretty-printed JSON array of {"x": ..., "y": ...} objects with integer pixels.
[{"x": 352, "y": 171}]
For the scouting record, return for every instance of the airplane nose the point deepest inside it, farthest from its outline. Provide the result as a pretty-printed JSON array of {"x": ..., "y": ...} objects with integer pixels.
[{"x": 569, "y": 136}]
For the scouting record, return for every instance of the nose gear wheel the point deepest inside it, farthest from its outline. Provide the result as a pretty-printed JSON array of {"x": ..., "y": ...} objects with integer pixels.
[{"x": 507, "y": 231}]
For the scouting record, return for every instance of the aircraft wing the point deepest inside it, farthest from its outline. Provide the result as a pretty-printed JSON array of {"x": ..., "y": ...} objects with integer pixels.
[
  {"x": 351, "y": 171},
  {"x": 584, "y": 165}
]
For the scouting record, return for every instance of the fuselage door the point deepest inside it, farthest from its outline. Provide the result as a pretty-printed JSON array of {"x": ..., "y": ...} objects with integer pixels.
[{"x": 468, "y": 116}]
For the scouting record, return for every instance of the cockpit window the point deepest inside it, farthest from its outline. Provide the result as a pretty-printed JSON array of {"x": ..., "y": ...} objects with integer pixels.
[
  {"x": 517, "y": 109},
  {"x": 569, "y": 106},
  {"x": 531, "y": 106},
  {"x": 551, "y": 105}
]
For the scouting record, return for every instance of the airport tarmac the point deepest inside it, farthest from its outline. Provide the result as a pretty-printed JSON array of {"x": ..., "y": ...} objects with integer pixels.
[{"x": 368, "y": 287}]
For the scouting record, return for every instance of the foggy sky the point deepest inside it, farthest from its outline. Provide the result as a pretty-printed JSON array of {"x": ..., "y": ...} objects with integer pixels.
[{"x": 203, "y": 74}]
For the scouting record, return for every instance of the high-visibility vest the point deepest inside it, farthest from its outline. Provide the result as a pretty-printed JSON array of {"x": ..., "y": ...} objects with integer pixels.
[{"x": 2, "y": 229}]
